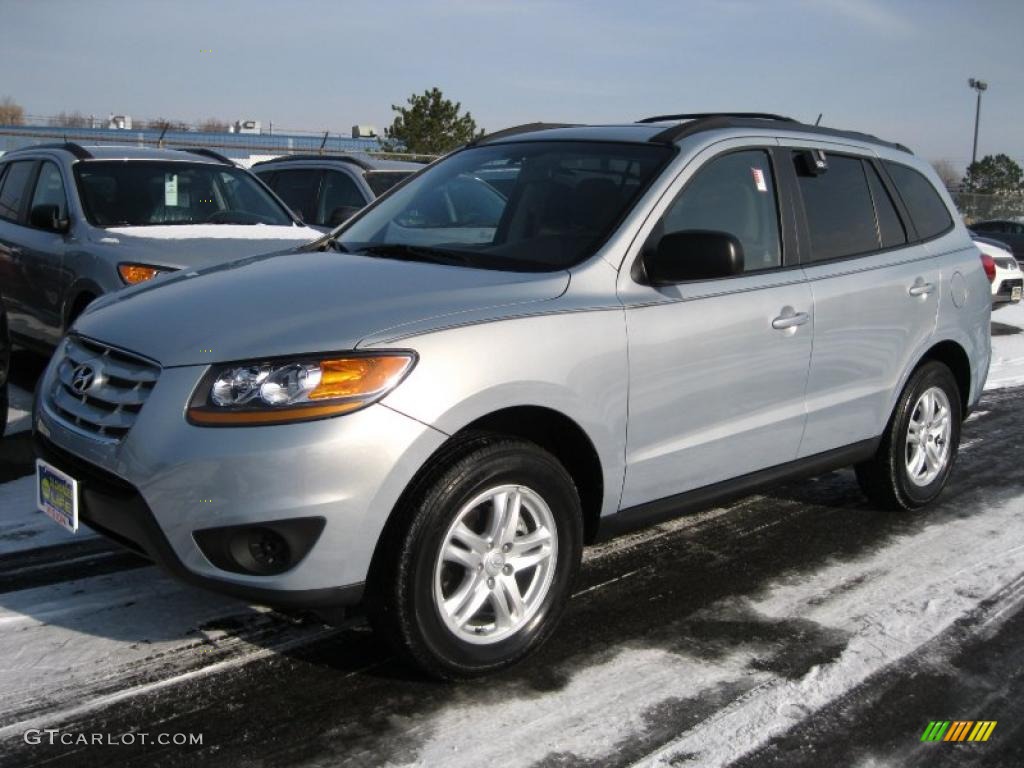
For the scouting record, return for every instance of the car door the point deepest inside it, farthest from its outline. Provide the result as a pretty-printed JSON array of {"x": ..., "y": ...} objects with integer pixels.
[
  {"x": 47, "y": 276},
  {"x": 14, "y": 195},
  {"x": 875, "y": 289},
  {"x": 717, "y": 368}
]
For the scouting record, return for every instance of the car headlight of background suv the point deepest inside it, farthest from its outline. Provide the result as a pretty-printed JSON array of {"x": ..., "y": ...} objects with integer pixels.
[{"x": 297, "y": 389}]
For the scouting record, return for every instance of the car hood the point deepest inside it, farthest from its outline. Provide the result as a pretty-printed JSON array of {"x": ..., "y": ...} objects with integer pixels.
[
  {"x": 198, "y": 245},
  {"x": 300, "y": 302}
]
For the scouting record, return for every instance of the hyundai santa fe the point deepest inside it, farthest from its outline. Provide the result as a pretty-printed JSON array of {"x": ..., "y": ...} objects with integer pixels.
[{"x": 431, "y": 410}]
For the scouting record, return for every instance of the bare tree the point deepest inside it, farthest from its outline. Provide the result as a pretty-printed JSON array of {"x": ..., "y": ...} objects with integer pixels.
[
  {"x": 213, "y": 125},
  {"x": 160, "y": 123},
  {"x": 11, "y": 113},
  {"x": 947, "y": 173},
  {"x": 70, "y": 120}
]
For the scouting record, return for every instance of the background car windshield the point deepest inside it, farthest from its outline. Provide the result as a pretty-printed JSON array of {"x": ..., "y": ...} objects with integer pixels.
[
  {"x": 141, "y": 193},
  {"x": 518, "y": 206},
  {"x": 381, "y": 181}
]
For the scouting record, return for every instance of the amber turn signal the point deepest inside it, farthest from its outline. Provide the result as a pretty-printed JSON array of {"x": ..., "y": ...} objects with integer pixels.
[{"x": 133, "y": 274}]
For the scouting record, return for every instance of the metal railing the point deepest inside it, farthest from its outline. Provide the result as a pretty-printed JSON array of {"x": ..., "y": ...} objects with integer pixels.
[{"x": 234, "y": 145}]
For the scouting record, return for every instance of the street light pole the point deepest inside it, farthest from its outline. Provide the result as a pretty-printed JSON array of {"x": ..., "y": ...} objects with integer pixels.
[{"x": 980, "y": 87}]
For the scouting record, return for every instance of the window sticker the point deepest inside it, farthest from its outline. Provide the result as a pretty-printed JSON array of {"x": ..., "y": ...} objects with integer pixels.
[
  {"x": 170, "y": 189},
  {"x": 759, "y": 179}
]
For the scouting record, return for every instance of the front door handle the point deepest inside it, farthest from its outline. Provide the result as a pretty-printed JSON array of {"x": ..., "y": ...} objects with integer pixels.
[
  {"x": 921, "y": 288},
  {"x": 789, "y": 319}
]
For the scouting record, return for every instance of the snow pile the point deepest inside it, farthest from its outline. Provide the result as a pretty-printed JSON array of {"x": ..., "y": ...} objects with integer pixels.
[
  {"x": 19, "y": 412},
  {"x": 217, "y": 232},
  {"x": 1007, "y": 369}
]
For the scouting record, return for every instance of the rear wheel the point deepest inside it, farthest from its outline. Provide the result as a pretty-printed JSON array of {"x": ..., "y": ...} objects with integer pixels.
[
  {"x": 476, "y": 571},
  {"x": 920, "y": 445}
]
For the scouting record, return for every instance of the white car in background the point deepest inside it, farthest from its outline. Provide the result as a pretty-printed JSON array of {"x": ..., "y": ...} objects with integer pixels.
[{"x": 1003, "y": 271}]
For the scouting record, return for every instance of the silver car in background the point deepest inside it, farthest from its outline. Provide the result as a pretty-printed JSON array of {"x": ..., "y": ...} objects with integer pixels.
[{"x": 432, "y": 410}]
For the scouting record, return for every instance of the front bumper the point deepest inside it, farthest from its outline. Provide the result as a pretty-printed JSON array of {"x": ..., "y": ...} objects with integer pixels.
[{"x": 167, "y": 479}]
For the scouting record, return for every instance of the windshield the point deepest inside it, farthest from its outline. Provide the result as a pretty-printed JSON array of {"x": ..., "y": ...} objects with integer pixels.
[
  {"x": 381, "y": 181},
  {"x": 139, "y": 193},
  {"x": 533, "y": 206}
]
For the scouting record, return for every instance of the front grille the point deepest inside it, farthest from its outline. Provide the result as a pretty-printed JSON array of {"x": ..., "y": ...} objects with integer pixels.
[{"x": 107, "y": 402}]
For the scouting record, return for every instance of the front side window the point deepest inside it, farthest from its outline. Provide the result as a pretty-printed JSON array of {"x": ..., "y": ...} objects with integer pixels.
[
  {"x": 735, "y": 194},
  {"x": 139, "y": 193},
  {"x": 927, "y": 211},
  {"x": 339, "y": 193},
  {"x": 558, "y": 203},
  {"x": 50, "y": 190},
  {"x": 298, "y": 188},
  {"x": 12, "y": 194},
  {"x": 840, "y": 213}
]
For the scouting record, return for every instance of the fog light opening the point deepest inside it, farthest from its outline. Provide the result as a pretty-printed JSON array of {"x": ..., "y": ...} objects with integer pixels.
[{"x": 261, "y": 550}]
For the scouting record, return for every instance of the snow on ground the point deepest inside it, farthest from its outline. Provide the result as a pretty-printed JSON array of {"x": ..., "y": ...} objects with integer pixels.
[
  {"x": 1007, "y": 368},
  {"x": 217, "y": 232},
  {"x": 19, "y": 413},
  {"x": 23, "y": 527}
]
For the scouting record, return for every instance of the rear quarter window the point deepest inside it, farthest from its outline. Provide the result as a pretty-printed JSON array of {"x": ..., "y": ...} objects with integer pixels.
[{"x": 927, "y": 211}]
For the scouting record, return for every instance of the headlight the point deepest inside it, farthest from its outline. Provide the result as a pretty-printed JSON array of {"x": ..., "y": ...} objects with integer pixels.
[
  {"x": 280, "y": 391},
  {"x": 133, "y": 274}
]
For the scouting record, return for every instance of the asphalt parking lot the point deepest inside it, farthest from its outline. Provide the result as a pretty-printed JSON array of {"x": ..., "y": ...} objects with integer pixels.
[{"x": 794, "y": 627}]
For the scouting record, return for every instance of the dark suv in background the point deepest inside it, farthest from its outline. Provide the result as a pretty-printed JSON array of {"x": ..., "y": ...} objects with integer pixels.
[
  {"x": 326, "y": 191},
  {"x": 77, "y": 222}
]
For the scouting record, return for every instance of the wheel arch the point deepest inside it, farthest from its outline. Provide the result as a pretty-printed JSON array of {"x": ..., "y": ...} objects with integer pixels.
[
  {"x": 79, "y": 296},
  {"x": 552, "y": 430},
  {"x": 951, "y": 354}
]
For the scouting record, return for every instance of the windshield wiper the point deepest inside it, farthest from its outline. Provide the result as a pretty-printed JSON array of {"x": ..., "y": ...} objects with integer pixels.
[{"x": 415, "y": 253}]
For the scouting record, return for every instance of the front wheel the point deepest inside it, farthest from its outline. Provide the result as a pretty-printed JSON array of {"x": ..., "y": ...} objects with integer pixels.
[
  {"x": 920, "y": 445},
  {"x": 476, "y": 571}
]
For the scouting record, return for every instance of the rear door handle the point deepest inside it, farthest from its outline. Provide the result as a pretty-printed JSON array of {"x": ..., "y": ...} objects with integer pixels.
[
  {"x": 921, "y": 288},
  {"x": 789, "y": 319}
]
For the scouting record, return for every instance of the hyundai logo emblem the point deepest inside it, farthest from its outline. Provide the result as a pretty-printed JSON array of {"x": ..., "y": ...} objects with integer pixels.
[{"x": 82, "y": 378}]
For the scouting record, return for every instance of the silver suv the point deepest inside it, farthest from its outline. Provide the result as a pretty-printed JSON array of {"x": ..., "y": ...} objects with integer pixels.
[{"x": 434, "y": 408}]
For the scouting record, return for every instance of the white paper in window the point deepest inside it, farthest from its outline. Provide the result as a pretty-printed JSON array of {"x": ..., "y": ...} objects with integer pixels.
[{"x": 170, "y": 189}]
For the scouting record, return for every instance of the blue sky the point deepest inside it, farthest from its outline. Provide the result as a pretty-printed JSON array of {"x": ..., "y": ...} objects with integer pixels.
[{"x": 898, "y": 69}]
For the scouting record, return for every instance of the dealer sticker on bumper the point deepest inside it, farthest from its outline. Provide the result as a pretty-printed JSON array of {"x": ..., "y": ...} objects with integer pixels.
[
  {"x": 57, "y": 495},
  {"x": 1015, "y": 293}
]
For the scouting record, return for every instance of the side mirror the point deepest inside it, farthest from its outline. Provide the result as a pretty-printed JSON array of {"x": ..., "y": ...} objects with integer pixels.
[
  {"x": 693, "y": 254},
  {"x": 48, "y": 217},
  {"x": 342, "y": 214}
]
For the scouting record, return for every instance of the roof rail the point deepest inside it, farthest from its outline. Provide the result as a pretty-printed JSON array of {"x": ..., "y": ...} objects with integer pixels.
[
  {"x": 516, "y": 129},
  {"x": 357, "y": 161},
  {"x": 68, "y": 146},
  {"x": 211, "y": 154},
  {"x": 701, "y": 115},
  {"x": 700, "y": 124}
]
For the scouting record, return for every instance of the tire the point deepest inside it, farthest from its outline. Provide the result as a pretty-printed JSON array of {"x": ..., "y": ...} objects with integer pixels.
[
  {"x": 412, "y": 582},
  {"x": 903, "y": 475}
]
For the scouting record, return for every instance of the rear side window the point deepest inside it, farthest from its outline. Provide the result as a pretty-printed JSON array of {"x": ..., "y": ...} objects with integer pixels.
[
  {"x": 840, "y": 213},
  {"x": 735, "y": 194},
  {"x": 890, "y": 228},
  {"x": 298, "y": 188},
  {"x": 12, "y": 194},
  {"x": 928, "y": 212}
]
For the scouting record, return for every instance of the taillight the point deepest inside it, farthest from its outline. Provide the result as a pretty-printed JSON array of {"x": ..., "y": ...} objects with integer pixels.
[{"x": 990, "y": 267}]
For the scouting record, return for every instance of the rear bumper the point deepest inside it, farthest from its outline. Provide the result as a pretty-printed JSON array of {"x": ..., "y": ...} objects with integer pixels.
[{"x": 116, "y": 509}]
